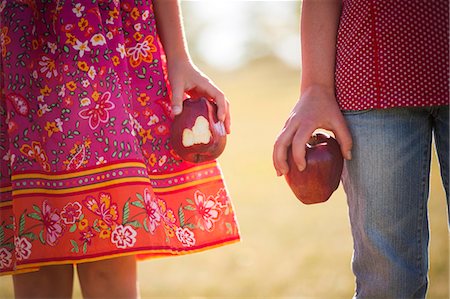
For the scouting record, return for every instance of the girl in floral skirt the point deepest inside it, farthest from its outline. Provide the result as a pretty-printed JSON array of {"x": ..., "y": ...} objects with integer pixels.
[{"x": 88, "y": 177}]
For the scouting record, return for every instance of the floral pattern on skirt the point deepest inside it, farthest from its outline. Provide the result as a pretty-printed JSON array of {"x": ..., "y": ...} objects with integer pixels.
[{"x": 87, "y": 171}]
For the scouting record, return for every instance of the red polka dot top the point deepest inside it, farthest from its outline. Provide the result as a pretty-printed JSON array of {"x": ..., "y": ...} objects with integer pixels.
[{"x": 393, "y": 53}]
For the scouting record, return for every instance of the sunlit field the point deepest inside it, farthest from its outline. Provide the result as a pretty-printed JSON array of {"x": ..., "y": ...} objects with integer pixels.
[{"x": 288, "y": 250}]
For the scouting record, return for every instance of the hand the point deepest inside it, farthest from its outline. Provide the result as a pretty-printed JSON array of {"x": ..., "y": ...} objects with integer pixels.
[
  {"x": 185, "y": 78},
  {"x": 317, "y": 108}
]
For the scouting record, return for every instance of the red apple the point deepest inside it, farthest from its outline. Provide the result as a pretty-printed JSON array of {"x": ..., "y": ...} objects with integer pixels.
[
  {"x": 322, "y": 174},
  {"x": 197, "y": 135}
]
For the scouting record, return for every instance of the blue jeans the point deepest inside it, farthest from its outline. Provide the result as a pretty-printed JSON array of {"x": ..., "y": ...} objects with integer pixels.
[{"x": 387, "y": 187}]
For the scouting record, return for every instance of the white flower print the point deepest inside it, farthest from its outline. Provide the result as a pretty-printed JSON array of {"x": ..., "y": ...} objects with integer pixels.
[
  {"x": 122, "y": 51},
  {"x": 85, "y": 83},
  {"x": 52, "y": 47},
  {"x": 124, "y": 236},
  {"x": 71, "y": 212},
  {"x": 82, "y": 47},
  {"x": 23, "y": 248},
  {"x": 59, "y": 124},
  {"x": 145, "y": 15},
  {"x": 5, "y": 258},
  {"x": 153, "y": 120},
  {"x": 43, "y": 109},
  {"x": 98, "y": 39},
  {"x": 92, "y": 73},
  {"x": 138, "y": 26},
  {"x": 185, "y": 236},
  {"x": 78, "y": 10},
  {"x": 9, "y": 157},
  {"x": 62, "y": 91},
  {"x": 100, "y": 160}
]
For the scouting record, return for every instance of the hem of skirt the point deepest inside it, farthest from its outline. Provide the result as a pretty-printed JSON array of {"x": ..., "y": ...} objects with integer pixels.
[
  {"x": 21, "y": 271},
  {"x": 141, "y": 255}
]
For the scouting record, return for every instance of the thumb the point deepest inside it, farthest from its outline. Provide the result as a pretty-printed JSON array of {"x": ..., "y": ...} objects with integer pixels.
[{"x": 177, "y": 99}]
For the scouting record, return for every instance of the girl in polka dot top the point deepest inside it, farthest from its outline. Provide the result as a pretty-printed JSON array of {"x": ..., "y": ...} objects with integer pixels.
[{"x": 376, "y": 74}]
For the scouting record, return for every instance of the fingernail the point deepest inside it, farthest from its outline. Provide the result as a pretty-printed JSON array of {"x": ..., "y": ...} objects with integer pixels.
[
  {"x": 348, "y": 156},
  {"x": 176, "y": 110},
  {"x": 301, "y": 167}
]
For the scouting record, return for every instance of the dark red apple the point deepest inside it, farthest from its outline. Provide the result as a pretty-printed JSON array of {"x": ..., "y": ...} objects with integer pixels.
[
  {"x": 322, "y": 174},
  {"x": 197, "y": 135}
]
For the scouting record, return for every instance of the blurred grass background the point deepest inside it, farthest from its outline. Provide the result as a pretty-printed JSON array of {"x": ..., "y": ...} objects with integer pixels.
[{"x": 288, "y": 250}]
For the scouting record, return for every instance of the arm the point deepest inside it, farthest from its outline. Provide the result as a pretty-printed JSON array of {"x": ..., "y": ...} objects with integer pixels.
[
  {"x": 317, "y": 106},
  {"x": 184, "y": 77}
]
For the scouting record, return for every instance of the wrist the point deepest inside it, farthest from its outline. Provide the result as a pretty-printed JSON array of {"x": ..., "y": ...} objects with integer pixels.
[
  {"x": 326, "y": 90},
  {"x": 177, "y": 54}
]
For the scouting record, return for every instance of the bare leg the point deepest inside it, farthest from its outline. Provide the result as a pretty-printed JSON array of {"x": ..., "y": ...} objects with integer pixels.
[
  {"x": 49, "y": 282},
  {"x": 111, "y": 278}
]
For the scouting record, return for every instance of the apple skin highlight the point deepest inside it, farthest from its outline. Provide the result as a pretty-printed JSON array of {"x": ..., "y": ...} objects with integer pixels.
[
  {"x": 196, "y": 134},
  {"x": 321, "y": 177}
]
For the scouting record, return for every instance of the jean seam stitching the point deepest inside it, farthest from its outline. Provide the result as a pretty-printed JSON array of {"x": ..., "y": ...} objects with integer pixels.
[{"x": 422, "y": 203}]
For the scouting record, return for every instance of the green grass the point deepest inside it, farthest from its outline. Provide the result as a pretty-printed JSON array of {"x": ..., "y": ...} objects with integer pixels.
[{"x": 288, "y": 249}]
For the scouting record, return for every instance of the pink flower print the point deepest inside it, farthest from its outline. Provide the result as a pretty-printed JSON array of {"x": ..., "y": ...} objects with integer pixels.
[
  {"x": 5, "y": 258},
  {"x": 87, "y": 235},
  {"x": 23, "y": 248},
  {"x": 207, "y": 209},
  {"x": 103, "y": 207},
  {"x": 185, "y": 236},
  {"x": 71, "y": 212},
  {"x": 48, "y": 67},
  {"x": 2, "y": 5},
  {"x": 123, "y": 236},
  {"x": 19, "y": 103},
  {"x": 222, "y": 198},
  {"x": 153, "y": 212},
  {"x": 100, "y": 112},
  {"x": 52, "y": 224}
]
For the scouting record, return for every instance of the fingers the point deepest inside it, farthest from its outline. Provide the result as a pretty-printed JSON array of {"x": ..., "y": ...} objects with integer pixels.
[
  {"x": 189, "y": 80},
  {"x": 299, "y": 142},
  {"x": 227, "y": 121},
  {"x": 344, "y": 138},
  {"x": 292, "y": 135},
  {"x": 296, "y": 133},
  {"x": 177, "y": 98},
  {"x": 223, "y": 111},
  {"x": 279, "y": 155},
  {"x": 208, "y": 89}
]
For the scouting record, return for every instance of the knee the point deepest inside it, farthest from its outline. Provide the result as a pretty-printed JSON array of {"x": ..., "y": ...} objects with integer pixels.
[{"x": 112, "y": 278}]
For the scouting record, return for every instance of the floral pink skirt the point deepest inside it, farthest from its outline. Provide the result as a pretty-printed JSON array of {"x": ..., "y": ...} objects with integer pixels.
[{"x": 87, "y": 171}]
